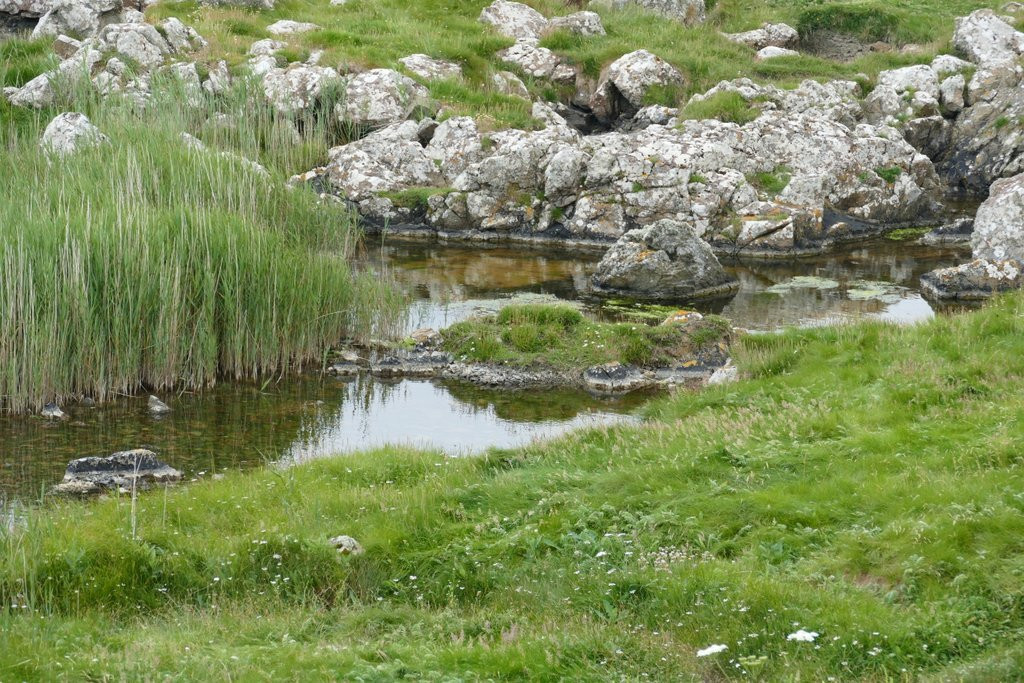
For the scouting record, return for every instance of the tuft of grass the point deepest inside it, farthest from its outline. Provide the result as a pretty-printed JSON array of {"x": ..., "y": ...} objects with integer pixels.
[
  {"x": 773, "y": 182},
  {"x": 889, "y": 174},
  {"x": 414, "y": 198},
  {"x": 145, "y": 263},
  {"x": 559, "y": 337},
  {"x": 724, "y": 106}
]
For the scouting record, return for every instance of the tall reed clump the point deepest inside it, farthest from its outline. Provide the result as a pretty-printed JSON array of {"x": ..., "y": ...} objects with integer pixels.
[{"x": 146, "y": 263}]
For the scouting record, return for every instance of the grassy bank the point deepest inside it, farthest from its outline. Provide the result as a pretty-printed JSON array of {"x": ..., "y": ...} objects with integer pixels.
[
  {"x": 364, "y": 34},
  {"x": 863, "y": 484},
  {"x": 145, "y": 262},
  {"x": 559, "y": 337}
]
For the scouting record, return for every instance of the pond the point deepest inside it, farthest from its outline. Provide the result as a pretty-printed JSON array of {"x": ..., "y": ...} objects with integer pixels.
[{"x": 247, "y": 424}]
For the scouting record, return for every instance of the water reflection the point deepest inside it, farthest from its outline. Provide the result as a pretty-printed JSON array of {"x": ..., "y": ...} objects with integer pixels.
[{"x": 243, "y": 425}]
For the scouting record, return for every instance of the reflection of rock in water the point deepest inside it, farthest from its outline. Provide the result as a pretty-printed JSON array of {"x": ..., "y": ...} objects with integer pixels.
[{"x": 537, "y": 406}]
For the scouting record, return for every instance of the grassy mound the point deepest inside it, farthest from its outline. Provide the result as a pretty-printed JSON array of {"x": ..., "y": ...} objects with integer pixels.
[
  {"x": 864, "y": 484},
  {"x": 559, "y": 337}
]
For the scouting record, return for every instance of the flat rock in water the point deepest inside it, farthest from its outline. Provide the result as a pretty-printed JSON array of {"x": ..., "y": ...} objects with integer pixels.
[
  {"x": 615, "y": 378},
  {"x": 139, "y": 468}
]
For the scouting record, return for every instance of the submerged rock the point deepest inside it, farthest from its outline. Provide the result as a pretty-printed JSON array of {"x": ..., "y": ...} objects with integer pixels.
[
  {"x": 157, "y": 407},
  {"x": 52, "y": 411},
  {"x": 125, "y": 470},
  {"x": 666, "y": 260}
]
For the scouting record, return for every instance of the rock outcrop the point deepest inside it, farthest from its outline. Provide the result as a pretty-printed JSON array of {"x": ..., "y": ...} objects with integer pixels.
[
  {"x": 997, "y": 243},
  {"x": 123, "y": 471},
  {"x": 664, "y": 261}
]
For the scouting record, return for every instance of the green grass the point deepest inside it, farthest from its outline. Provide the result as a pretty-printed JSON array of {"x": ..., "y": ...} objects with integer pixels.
[
  {"x": 889, "y": 174},
  {"x": 559, "y": 337},
  {"x": 377, "y": 34},
  {"x": 773, "y": 182},
  {"x": 143, "y": 262},
  {"x": 724, "y": 106},
  {"x": 863, "y": 483},
  {"x": 414, "y": 198}
]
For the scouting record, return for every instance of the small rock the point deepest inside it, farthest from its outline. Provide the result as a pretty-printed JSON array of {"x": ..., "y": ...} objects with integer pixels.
[
  {"x": 957, "y": 232},
  {"x": 70, "y": 132},
  {"x": 347, "y": 545},
  {"x": 507, "y": 83},
  {"x": 772, "y": 52},
  {"x": 431, "y": 69},
  {"x": 286, "y": 27},
  {"x": 581, "y": 23},
  {"x": 158, "y": 407},
  {"x": 137, "y": 468},
  {"x": 769, "y": 35},
  {"x": 724, "y": 375},
  {"x": 426, "y": 336}
]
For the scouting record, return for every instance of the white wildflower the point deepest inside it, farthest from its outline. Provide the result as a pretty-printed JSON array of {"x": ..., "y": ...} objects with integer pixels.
[
  {"x": 803, "y": 636},
  {"x": 712, "y": 650}
]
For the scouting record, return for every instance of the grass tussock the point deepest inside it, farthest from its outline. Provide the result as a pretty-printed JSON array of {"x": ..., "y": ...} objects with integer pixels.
[
  {"x": 863, "y": 484},
  {"x": 559, "y": 337},
  {"x": 145, "y": 263}
]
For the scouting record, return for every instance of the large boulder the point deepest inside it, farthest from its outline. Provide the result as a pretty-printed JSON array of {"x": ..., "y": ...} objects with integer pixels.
[
  {"x": 388, "y": 160},
  {"x": 688, "y": 12},
  {"x": 626, "y": 82},
  {"x": 998, "y": 246},
  {"x": 972, "y": 281},
  {"x": 381, "y": 97},
  {"x": 70, "y": 132},
  {"x": 769, "y": 35},
  {"x": 515, "y": 20},
  {"x": 999, "y": 224},
  {"x": 123, "y": 471},
  {"x": 299, "y": 86},
  {"x": 985, "y": 39},
  {"x": 663, "y": 261}
]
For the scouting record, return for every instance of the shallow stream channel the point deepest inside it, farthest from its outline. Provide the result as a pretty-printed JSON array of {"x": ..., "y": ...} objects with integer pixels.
[{"x": 238, "y": 425}]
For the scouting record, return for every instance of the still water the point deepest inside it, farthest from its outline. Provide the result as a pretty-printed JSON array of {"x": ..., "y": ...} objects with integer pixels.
[{"x": 242, "y": 425}]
